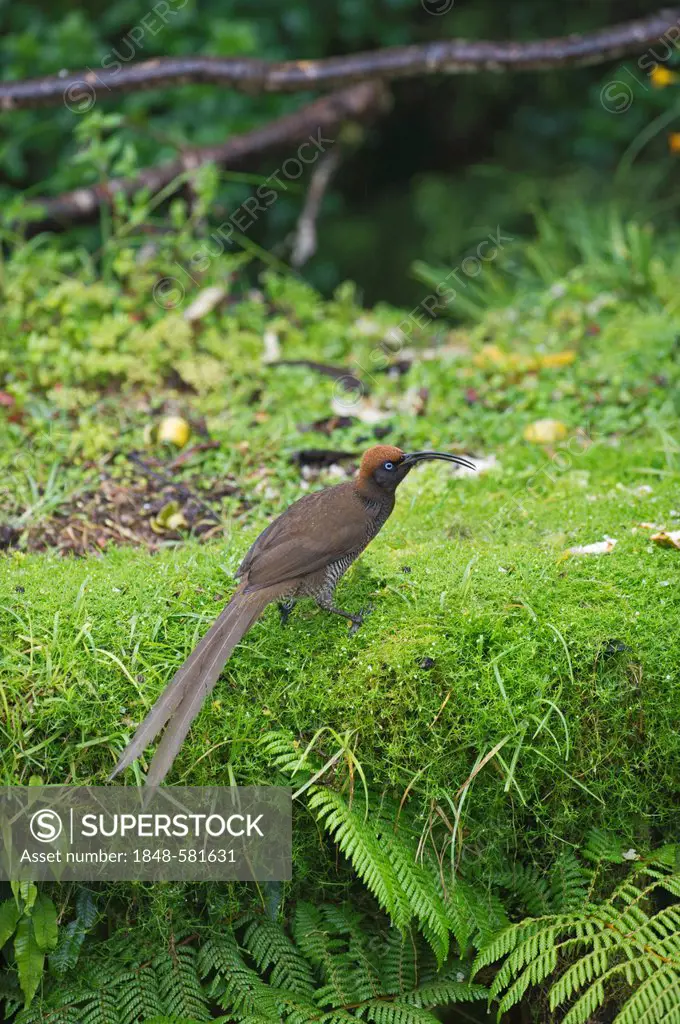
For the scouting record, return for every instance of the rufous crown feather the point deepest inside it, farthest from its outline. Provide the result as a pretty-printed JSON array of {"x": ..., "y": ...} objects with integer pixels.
[{"x": 375, "y": 457}]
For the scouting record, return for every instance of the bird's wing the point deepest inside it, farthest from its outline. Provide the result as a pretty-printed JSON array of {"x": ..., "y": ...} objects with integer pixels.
[{"x": 314, "y": 532}]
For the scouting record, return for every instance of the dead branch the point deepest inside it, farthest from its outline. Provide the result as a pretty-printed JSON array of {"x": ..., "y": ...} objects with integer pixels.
[
  {"x": 305, "y": 240},
  {"x": 79, "y": 90},
  {"x": 313, "y": 120}
]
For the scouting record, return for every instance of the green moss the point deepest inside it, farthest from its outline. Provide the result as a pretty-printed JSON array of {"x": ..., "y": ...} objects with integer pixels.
[
  {"x": 482, "y": 633},
  {"x": 515, "y": 633}
]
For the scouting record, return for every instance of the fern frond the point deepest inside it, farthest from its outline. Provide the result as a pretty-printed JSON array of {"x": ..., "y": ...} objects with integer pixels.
[
  {"x": 286, "y": 752},
  {"x": 344, "y": 920},
  {"x": 603, "y": 846},
  {"x": 502, "y": 944},
  {"x": 139, "y": 996},
  {"x": 184, "y": 1020},
  {"x": 332, "y": 1017},
  {"x": 395, "y": 1013},
  {"x": 536, "y": 971},
  {"x": 399, "y": 962},
  {"x": 179, "y": 983},
  {"x": 441, "y": 993},
  {"x": 423, "y": 898},
  {"x": 359, "y": 844},
  {"x": 531, "y": 887},
  {"x": 72, "y": 935},
  {"x": 235, "y": 986},
  {"x": 595, "y": 950},
  {"x": 569, "y": 882},
  {"x": 583, "y": 1009},
  {"x": 311, "y": 935},
  {"x": 475, "y": 916},
  {"x": 657, "y": 999},
  {"x": 270, "y": 947},
  {"x": 102, "y": 1008}
]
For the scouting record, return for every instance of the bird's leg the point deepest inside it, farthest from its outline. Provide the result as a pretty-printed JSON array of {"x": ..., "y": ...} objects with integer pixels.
[
  {"x": 355, "y": 618},
  {"x": 285, "y": 608}
]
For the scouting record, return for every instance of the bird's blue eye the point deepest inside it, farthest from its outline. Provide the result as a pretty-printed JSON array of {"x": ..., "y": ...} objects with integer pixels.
[{"x": 388, "y": 465}]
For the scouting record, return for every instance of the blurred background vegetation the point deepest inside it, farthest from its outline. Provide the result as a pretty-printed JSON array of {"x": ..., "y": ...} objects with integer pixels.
[{"x": 455, "y": 156}]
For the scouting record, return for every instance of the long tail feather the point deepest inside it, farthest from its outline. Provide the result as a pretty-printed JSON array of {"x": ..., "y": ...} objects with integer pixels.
[{"x": 182, "y": 698}]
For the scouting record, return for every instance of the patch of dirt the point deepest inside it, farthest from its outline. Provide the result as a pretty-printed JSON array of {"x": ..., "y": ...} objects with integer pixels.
[
  {"x": 9, "y": 536},
  {"x": 128, "y": 512}
]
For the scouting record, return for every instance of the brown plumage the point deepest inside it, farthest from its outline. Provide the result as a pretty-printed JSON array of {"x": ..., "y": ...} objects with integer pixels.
[{"x": 302, "y": 553}]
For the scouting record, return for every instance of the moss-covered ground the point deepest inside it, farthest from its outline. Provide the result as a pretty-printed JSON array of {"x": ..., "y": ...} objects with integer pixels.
[{"x": 485, "y": 636}]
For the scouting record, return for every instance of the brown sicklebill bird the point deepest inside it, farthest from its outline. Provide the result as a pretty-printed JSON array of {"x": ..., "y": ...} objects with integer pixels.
[{"x": 303, "y": 553}]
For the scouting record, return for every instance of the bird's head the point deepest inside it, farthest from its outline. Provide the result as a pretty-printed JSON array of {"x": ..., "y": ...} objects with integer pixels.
[{"x": 384, "y": 466}]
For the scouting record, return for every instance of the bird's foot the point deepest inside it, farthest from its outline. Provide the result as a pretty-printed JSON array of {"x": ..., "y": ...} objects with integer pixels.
[
  {"x": 358, "y": 619},
  {"x": 285, "y": 608}
]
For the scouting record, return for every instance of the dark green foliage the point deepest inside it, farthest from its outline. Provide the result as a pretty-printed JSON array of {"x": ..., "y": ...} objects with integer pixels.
[
  {"x": 433, "y": 179},
  {"x": 625, "y": 946},
  {"x": 72, "y": 934},
  {"x": 337, "y": 962},
  {"x": 334, "y": 964},
  {"x": 564, "y": 888}
]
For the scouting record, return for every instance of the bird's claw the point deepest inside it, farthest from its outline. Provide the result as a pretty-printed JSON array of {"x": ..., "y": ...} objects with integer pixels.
[
  {"x": 285, "y": 608},
  {"x": 358, "y": 619}
]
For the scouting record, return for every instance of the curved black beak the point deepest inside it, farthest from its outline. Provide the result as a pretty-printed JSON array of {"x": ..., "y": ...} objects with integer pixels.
[{"x": 415, "y": 457}]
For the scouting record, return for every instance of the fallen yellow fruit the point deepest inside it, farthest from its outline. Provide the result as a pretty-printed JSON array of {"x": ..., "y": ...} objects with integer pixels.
[
  {"x": 174, "y": 430},
  {"x": 553, "y": 359},
  {"x": 545, "y": 432},
  {"x": 491, "y": 357}
]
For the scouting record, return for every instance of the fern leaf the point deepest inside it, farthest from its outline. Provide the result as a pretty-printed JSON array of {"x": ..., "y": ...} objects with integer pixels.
[
  {"x": 359, "y": 844},
  {"x": 602, "y": 846},
  {"x": 236, "y": 986},
  {"x": 309, "y": 933},
  {"x": 475, "y": 916},
  {"x": 285, "y": 752},
  {"x": 656, "y": 999},
  {"x": 399, "y": 963},
  {"x": 441, "y": 993},
  {"x": 101, "y": 1008},
  {"x": 568, "y": 883},
  {"x": 344, "y": 920},
  {"x": 533, "y": 974},
  {"x": 395, "y": 1013},
  {"x": 584, "y": 1008},
  {"x": 332, "y": 1017},
  {"x": 581, "y": 973},
  {"x": 424, "y": 901},
  {"x": 72, "y": 936},
  {"x": 271, "y": 948},
  {"x": 139, "y": 995},
  {"x": 179, "y": 984},
  {"x": 530, "y": 886}
]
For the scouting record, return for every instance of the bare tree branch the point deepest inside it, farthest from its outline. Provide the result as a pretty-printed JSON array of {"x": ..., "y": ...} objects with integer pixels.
[
  {"x": 78, "y": 90},
  {"x": 323, "y": 115}
]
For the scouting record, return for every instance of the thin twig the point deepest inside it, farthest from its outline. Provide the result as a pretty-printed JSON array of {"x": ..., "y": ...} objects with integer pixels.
[
  {"x": 203, "y": 446},
  {"x": 446, "y": 701},
  {"x": 304, "y": 244}
]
